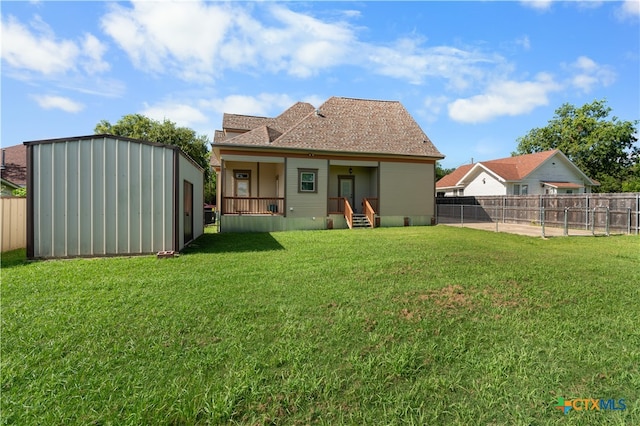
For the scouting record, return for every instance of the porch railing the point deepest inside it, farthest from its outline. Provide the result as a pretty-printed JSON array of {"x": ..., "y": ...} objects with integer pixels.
[
  {"x": 253, "y": 205},
  {"x": 336, "y": 205},
  {"x": 348, "y": 213},
  {"x": 370, "y": 205}
]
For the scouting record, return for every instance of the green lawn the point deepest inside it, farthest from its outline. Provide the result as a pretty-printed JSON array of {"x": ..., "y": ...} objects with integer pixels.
[{"x": 419, "y": 325}]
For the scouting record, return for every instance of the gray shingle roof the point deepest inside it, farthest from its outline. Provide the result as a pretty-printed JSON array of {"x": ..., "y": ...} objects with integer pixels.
[
  {"x": 345, "y": 125},
  {"x": 242, "y": 122}
]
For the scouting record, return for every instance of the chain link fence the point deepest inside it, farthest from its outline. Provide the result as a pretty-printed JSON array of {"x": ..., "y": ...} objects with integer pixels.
[{"x": 574, "y": 215}]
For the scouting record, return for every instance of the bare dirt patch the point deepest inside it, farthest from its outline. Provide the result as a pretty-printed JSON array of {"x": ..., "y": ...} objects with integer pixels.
[{"x": 454, "y": 299}]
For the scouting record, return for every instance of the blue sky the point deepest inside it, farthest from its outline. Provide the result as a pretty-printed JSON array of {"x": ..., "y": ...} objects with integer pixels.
[{"x": 475, "y": 75}]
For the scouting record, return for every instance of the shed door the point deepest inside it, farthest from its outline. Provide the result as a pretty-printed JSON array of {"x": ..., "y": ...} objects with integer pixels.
[{"x": 188, "y": 211}]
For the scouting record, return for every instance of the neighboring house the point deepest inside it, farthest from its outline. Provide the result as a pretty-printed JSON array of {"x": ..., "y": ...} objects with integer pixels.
[
  {"x": 548, "y": 172},
  {"x": 13, "y": 172},
  {"x": 104, "y": 195},
  {"x": 348, "y": 162}
]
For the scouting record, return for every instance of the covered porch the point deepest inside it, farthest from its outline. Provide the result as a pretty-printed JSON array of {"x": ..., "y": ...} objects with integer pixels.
[{"x": 252, "y": 188}]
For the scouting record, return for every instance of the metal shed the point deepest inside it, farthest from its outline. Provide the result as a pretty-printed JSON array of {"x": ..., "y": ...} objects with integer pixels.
[{"x": 103, "y": 195}]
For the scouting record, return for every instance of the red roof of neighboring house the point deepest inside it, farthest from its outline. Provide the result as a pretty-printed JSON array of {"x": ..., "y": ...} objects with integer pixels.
[
  {"x": 15, "y": 164},
  {"x": 510, "y": 168},
  {"x": 454, "y": 177}
]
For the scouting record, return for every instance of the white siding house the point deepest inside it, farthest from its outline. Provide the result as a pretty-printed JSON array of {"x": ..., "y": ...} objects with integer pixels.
[{"x": 548, "y": 172}]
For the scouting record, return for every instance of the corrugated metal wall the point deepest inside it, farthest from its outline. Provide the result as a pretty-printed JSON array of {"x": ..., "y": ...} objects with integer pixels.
[{"x": 101, "y": 196}]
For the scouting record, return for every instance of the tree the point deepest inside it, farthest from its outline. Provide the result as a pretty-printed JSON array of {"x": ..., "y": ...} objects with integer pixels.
[
  {"x": 604, "y": 148},
  {"x": 19, "y": 192},
  {"x": 138, "y": 126},
  {"x": 441, "y": 172}
]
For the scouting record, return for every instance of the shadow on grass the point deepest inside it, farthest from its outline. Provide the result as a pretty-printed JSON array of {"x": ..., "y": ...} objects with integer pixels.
[
  {"x": 13, "y": 258},
  {"x": 232, "y": 243}
]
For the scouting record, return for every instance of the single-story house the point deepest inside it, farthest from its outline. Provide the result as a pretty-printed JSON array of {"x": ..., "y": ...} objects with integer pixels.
[
  {"x": 103, "y": 195},
  {"x": 348, "y": 163},
  {"x": 547, "y": 172},
  {"x": 13, "y": 172}
]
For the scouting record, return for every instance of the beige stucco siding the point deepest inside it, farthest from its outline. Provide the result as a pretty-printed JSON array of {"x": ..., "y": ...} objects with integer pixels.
[
  {"x": 406, "y": 189},
  {"x": 303, "y": 204}
]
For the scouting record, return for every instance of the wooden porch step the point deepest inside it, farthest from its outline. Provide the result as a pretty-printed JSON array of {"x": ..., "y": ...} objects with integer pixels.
[{"x": 360, "y": 221}]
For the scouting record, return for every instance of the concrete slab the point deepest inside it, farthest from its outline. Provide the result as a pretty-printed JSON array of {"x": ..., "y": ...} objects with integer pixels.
[{"x": 520, "y": 229}]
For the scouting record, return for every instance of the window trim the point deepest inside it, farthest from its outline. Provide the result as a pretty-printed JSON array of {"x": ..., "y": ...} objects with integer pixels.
[{"x": 315, "y": 181}]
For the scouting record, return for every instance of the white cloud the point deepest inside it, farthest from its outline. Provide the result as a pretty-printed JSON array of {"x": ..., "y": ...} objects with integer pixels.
[
  {"x": 541, "y": 5},
  {"x": 35, "y": 48},
  {"x": 93, "y": 51},
  {"x": 264, "y": 104},
  {"x": 180, "y": 36},
  {"x": 524, "y": 42},
  {"x": 58, "y": 102},
  {"x": 432, "y": 107},
  {"x": 409, "y": 60},
  {"x": 629, "y": 9},
  {"x": 183, "y": 114},
  {"x": 158, "y": 37},
  {"x": 504, "y": 98},
  {"x": 36, "y": 52},
  {"x": 587, "y": 74}
]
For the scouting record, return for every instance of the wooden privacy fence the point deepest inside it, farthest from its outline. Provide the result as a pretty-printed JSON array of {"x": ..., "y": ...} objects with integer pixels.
[
  {"x": 14, "y": 223},
  {"x": 618, "y": 213}
]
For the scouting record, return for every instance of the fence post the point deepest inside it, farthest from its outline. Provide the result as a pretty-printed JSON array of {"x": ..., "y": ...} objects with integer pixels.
[
  {"x": 462, "y": 215},
  {"x": 637, "y": 213},
  {"x": 566, "y": 221},
  {"x": 586, "y": 219},
  {"x": 593, "y": 222},
  {"x": 628, "y": 220},
  {"x": 606, "y": 226},
  {"x": 542, "y": 220}
]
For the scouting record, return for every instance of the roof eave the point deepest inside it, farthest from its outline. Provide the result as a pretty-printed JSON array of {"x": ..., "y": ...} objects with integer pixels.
[{"x": 306, "y": 150}]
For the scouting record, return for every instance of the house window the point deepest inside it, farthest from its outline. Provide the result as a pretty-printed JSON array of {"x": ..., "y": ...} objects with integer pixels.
[
  {"x": 308, "y": 180},
  {"x": 516, "y": 189},
  {"x": 524, "y": 190},
  {"x": 461, "y": 192},
  {"x": 569, "y": 191}
]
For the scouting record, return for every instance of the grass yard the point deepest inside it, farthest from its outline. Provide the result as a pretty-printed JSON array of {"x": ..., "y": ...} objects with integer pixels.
[{"x": 419, "y": 325}]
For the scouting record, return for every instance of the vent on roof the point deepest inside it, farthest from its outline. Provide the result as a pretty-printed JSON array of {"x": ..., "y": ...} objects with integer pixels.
[{"x": 318, "y": 113}]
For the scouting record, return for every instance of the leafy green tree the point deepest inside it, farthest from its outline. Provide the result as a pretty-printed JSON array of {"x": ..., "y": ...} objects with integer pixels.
[
  {"x": 19, "y": 192},
  {"x": 138, "y": 126},
  {"x": 604, "y": 148},
  {"x": 441, "y": 172}
]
